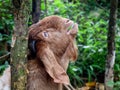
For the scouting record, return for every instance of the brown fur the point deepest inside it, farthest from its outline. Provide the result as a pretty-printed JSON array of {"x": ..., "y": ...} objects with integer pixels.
[{"x": 54, "y": 48}]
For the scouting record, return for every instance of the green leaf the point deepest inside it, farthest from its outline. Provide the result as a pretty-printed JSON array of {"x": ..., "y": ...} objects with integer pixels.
[
  {"x": 110, "y": 83},
  {"x": 1, "y": 37},
  {"x": 117, "y": 83}
]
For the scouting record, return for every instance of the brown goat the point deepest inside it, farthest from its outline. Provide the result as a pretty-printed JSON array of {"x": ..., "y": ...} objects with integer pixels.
[{"x": 52, "y": 45}]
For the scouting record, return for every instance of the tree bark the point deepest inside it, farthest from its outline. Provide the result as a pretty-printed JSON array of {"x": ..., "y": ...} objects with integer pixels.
[
  {"x": 36, "y": 4},
  {"x": 21, "y": 9},
  {"x": 111, "y": 45}
]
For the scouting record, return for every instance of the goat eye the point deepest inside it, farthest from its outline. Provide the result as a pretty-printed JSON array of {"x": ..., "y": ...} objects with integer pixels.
[{"x": 45, "y": 34}]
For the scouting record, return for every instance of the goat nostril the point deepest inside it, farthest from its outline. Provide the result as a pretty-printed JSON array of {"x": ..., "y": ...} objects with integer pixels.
[{"x": 67, "y": 20}]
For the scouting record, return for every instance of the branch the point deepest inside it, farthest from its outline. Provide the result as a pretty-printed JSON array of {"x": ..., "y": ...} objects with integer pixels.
[{"x": 5, "y": 55}]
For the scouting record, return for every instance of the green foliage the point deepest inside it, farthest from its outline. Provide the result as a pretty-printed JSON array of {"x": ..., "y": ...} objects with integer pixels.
[
  {"x": 2, "y": 67},
  {"x": 116, "y": 84},
  {"x": 6, "y": 21},
  {"x": 6, "y": 17},
  {"x": 6, "y": 28}
]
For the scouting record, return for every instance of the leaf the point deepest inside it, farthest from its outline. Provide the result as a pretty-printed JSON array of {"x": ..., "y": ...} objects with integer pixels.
[
  {"x": 110, "y": 83},
  {"x": 1, "y": 37},
  {"x": 91, "y": 68},
  {"x": 96, "y": 66},
  {"x": 117, "y": 83}
]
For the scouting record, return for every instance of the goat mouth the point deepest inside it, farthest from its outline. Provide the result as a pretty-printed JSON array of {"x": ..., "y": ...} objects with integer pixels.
[{"x": 71, "y": 26}]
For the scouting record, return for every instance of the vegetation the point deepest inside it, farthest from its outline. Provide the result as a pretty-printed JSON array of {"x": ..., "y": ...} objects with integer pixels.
[{"x": 92, "y": 17}]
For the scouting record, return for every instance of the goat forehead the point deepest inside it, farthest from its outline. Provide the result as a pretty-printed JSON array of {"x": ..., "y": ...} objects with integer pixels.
[{"x": 53, "y": 21}]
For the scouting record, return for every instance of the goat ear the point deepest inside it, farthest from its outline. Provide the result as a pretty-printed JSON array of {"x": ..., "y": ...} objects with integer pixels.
[
  {"x": 51, "y": 65},
  {"x": 32, "y": 47}
]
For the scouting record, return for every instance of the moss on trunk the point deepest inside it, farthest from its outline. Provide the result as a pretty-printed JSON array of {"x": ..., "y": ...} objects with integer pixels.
[{"x": 19, "y": 44}]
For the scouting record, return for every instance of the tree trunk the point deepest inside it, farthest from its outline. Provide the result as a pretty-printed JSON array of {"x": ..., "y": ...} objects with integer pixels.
[
  {"x": 21, "y": 9},
  {"x": 111, "y": 45},
  {"x": 36, "y": 4}
]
